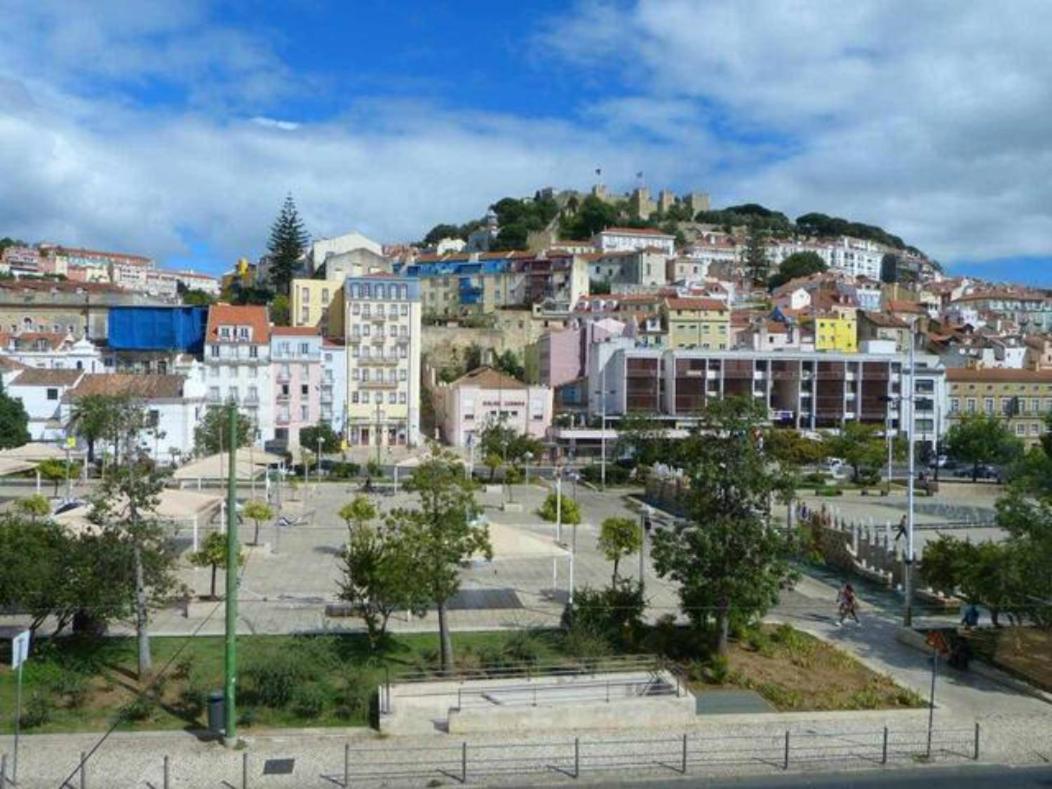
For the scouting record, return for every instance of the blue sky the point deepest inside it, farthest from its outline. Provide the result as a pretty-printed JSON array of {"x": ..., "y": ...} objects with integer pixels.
[{"x": 175, "y": 129}]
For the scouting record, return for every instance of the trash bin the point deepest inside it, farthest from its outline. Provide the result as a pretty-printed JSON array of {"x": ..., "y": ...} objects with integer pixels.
[{"x": 216, "y": 710}]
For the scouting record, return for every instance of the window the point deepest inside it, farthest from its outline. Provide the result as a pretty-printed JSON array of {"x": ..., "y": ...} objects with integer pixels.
[
  {"x": 401, "y": 375},
  {"x": 365, "y": 330},
  {"x": 405, "y": 310},
  {"x": 224, "y": 332},
  {"x": 401, "y": 351},
  {"x": 213, "y": 394},
  {"x": 243, "y": 333},
  {"x": 304, "y": 389},
  {"x": 365, "y": 375},
  {"x": 253, "y": 372},
  {"x": 52, "y": 394},
  {"x": 988, "y": 405},
  {"x": 969, "y": 405},
  {"x": 1034, "y": 428},
  {"x": 354, "y": 397},
  {"x": 391, "y": 398},
  {"x": 355, "y": 374},
  {"x": 1020, "y": 430},
  {"x": 253, "y": 352},
  {"x": 215, "y": 351},
  {"x": 284, "y": 347},
  {"x": 354, "y": 351},
  {"x": 365, "y": 398},
  {"x": 381, "y": 292},
  {"x": 304, "y": 413},
  {"x": 356, "y": 309},
  {"x": 955, "y": 405},
  {"x": 325, "y": 296},
  {"x": 305, "y": 293},
  {"x": 401, "y": 398}
]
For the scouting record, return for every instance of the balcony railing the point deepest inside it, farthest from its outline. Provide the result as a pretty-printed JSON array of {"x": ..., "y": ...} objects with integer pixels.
[
  {"x": 251, "y": 399},
  {"x": 379, "y": 384},
  {"x": 281, "y": 419},
  {"x": 283, "y": 377},
  {"x": 378, "y": 361}
]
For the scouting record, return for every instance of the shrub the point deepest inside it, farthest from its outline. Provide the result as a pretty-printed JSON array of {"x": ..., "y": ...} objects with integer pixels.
[
  {"x": 815, "y": 478},
  {"x": 353, "y": 698},
  {"x": 71, "y": 685},
  {"x": 571, "y": 513},
  {"x": 273, "y": 676},
  {"x": 246, "y": 716},
  {"x": 513, "y": 475},
  {"x": 615, "y": 612},
  {"x": 615, "y": 475},
  {"x": 344, "y": 470},
  {"x": 308, "y": 701},
  {"x": 37, "y": 711},
  {"x": 183, "y": 667},
  {"x": 138, "y": 709},
  {"x": 828, "y": 490},
  {"x": 758, "y": 641},
  {"x": 522, "y": 647},
  {"x": 717, "y": 669},
  {"x": 580, "y": 642}
]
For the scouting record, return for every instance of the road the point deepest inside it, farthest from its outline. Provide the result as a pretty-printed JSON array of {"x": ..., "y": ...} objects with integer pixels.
[{"x": 926, "y": 777}]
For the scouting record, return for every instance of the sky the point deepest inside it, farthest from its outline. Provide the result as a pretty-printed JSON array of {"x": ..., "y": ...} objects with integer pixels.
[{"x": 175, "y": 129}]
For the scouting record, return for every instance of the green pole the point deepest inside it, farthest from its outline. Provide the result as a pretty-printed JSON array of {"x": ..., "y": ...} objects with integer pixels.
[{"x": 232, "y": 551}]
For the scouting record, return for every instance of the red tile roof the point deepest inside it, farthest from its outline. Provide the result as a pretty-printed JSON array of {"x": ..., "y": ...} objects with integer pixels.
[
  {"x": 488, "y": 378},
  {"x": 35, "y": 376},
  {"x": 296, "y": 331},
  {"x": 997, "y": 375},
  {"x": 709, "y": 305},
  {"x": 905, "y": 306},
  {"x": 254, "y": 315},
  {"x": 146, "y": 387}
]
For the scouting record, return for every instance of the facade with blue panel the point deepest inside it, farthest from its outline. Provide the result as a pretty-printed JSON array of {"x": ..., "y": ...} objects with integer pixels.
[{"x": 158, "y": 328}]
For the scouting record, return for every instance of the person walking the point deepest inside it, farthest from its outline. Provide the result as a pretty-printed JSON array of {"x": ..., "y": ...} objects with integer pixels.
[{"x": 847, "y": 604}]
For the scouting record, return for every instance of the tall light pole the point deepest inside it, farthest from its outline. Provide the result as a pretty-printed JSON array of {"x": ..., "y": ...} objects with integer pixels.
[
  {"x": 907, "y": 577},
  {"x": 232, "y": 553},
  {"x": 559, "y": 504}
]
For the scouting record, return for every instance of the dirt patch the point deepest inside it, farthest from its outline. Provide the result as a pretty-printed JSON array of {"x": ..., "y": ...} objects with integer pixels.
[
  {"x": 1025, "y": 652},
  {"x": 797, "y": 672}
]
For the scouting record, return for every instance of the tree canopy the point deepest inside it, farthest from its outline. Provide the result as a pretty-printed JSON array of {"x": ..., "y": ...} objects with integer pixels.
[
  {"x": 330, "y": 440},
  {"x": 211, "y": 433},
  {"x": 861, "y": 447},
  {"x": 798, "y": 264},
  {"x": 288, "y": 240},
  {"x": 619, "y": 538},
  {"x": 14, "y": 422},
  {"x": 726, "y": 558},
  {"x": 982, "y": 438}
]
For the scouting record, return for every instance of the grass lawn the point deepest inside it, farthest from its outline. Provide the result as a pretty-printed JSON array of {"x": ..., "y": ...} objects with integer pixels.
[
  {"x": 795, "y": 671},
  {"x": 330, "y": 680},
  {"x": 1025, "y": 652}
]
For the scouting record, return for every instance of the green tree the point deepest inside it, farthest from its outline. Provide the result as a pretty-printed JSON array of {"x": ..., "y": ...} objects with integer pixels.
[
  {"x": 380, "y": 576},
  {"x": 34, "y": 574},
  {"x": 330, "y": 440},
  {"x": 982, "y": 438},
  {"x": 257, "y": 511},
  {"x": 438, "y": 232},
  {"x": 509, "y": 364},
  {"x": 794, "y": 449},
  {"x": 860, "y": 446},
  {"x": 196, "y": 298},
  {"x": 358, "y": 512},
  {"x": 54, "y": 471},
  {"x": 757, "y": 264},
  {"x": 728, "y": 560},
  {"x": 96, "y": 417},
  {"x": 492, "y": 461},
  {"x": 798, "y": 264},
  {"x": 34, "y": 506},
  {"x": 210, "y": 435},
  {"x": 443, "y": 533},
  {"x": 125, "y": 505},
  {"x": 592, "y": 216},
  {"x": 14, "y": 423},
  {"x": 288, "y": 240},
  {"x": 213, "y": 553},
  {"x": 986, "y": 573},
  {"x": 280, "y": 310},
  {"x": 618, "y": 539},
  {"x": 568, "y": 509}
]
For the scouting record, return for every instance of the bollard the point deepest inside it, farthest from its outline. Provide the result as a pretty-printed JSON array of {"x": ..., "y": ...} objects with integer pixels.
[
  {"x": 346, "y": 765},
  {"x": 244, "y": 770},
  {"x": 463, "y": 762},
  {"x": 683, "y": 764},
  {"x": 785, "y": 765},
  {"x": 975, "y": 754},
  {"x": 166, "y": 780},
  {"x": 576, "y": 757},
  {"x": 884, "y": 748}
]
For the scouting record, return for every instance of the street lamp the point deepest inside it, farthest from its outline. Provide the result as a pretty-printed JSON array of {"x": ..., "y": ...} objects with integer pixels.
[
  {"x": 910, "y": 397},
  {"x": 526, "y": 458},
  {"x": 317, "y": 469}
]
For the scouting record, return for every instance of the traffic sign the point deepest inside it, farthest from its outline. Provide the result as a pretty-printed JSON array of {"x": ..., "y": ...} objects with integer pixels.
[{"x": 19, "y": 649}]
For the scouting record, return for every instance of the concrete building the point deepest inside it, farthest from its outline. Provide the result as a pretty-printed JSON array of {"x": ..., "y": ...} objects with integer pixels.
[
  {"x": 1021, "y": 397},
  {"x": 624, "y": 271},
  {"x": 383, "y": 327},
  {"x": 41, "y": 392},
  {"x": 295, "y": 369},
  {"x": 236, "y": 364},
  {"x": 486, "y": 396},
  {"x": 836, "y": 331},
  {"x": 174, "y": 405},
  {"x": 323, "y": 248},
  {"x": 881, "y": 326},
  {"x": 697, "y": 323},
  {"x": 51, "y": 351},
  {"x": 78, "y": 308},
  {"x": 318, "y": 303},
  {"x": 623, "y": 239},
  {"x": 333, "y": 398}
]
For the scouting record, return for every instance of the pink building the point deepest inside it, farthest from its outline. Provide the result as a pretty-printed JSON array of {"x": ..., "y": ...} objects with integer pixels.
[
  {"x": 484, "y": 396},
  {"x": 295, "y": 358},
  {"x": 563, "y": 355}
]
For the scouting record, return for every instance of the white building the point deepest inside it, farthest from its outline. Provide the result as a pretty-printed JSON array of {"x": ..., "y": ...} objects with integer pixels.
[
  {"x": 624, "y": 239},
  {"x": 382, "y": 319},
  {"x": 237, "y": 363},
  {"x": 51, "y": 351},
  {"x": 333, "y": 397},
  {"x": 41, "y": 392},
  {"x": 322, "y": 248},
  {"x": 174, "y": 405}
]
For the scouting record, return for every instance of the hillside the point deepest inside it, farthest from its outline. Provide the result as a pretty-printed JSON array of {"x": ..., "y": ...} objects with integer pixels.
[{"x": 579, "y": 216}]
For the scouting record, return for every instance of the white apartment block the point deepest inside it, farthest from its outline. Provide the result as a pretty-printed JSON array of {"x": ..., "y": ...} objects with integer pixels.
[
  {"x": 382, "y": 315},
  {"x": 627, "y": 239},
  {"x": 333, "y": 397},
  {"x": 237, "y": 363}
]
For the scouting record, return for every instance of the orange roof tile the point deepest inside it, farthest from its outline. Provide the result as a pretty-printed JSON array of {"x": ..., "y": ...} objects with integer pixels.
[
  {"x": 709, "y": 305},
  {"x": 253, "y": 315}
]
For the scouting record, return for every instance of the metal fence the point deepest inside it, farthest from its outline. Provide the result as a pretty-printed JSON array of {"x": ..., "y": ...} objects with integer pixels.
[{"x": 395, "y": 762}]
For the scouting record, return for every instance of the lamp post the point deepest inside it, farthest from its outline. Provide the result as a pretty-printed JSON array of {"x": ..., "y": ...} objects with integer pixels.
[
  {"x": 526, "y": 458},
  {"x": 559, "y": 504},
  {"x": 317, "y": 468},
  {"x": 907, "y": 577}
]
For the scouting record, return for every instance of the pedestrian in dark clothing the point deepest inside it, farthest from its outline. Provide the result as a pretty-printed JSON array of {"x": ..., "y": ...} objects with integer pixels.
[
  {"x": 970, "y": 618},
  {"x": 847, "y": 604},
  {"x": 902, "y": 528}
]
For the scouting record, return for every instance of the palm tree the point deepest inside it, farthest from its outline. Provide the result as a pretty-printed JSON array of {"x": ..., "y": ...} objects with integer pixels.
[{"x": 95, "y": 417}]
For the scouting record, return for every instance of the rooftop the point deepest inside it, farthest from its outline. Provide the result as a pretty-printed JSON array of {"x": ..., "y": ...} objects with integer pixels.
[
  {"x": 708, "y": 305},
  {"x": 254, "y": 315},
  {"x": 147, "y": 387},
  {"x": 488, "y": 378},
  {"x": 997, "y": 375},
  {"x": 33, "y": 376}
]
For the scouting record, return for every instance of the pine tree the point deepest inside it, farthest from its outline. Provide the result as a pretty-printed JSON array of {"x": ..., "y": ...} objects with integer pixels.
[{"x": 288, "y": 239}]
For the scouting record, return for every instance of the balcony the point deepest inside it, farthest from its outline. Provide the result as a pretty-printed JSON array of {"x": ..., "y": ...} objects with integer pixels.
[
  {"x": 326, "y": 395},
  {"x": 283, "y": 376},
  {"x": 402, "y": 339},
  {"x": 376, "y": 318},
  {"x": 251, "y": 399},
  {"x": 379, "y": 384},
  {"x": 282, "y": 397},
  {"x": 378, "y": 361},
  {"x": 378, "y": 339},
  {"x": 282, "y": 419}
]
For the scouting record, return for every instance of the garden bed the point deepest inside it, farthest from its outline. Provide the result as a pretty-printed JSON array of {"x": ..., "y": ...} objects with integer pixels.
[{"x": 1023, "y": 652}]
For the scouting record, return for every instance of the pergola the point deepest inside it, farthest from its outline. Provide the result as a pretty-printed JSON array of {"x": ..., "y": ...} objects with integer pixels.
[
  {"x": 249, "y": 464},
  {"x": 509, "y": 542}
]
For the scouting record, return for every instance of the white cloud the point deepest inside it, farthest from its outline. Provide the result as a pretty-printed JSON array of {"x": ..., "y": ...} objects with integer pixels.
[{"x": 929, "y": 118}]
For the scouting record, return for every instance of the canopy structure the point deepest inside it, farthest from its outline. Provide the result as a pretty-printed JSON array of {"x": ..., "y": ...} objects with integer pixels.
[
  {"x": 250, "y": 464},
  {"x": 10, "y": 466},
  {"x": 36, "y": 451},
  {"x": 174, "y": 506},
  {"x": 511, "y": 543}
]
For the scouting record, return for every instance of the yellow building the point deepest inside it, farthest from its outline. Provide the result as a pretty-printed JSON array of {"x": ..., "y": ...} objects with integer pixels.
[
  {"x": 1021, "y": 397},
  {"x": 698, "y": 323},
  {"x": 836, "y": 331},
  {"x": 318, "y": 302}
]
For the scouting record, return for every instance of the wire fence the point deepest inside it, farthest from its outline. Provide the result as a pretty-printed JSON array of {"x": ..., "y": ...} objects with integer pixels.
[{"x": 392, "y": 762}]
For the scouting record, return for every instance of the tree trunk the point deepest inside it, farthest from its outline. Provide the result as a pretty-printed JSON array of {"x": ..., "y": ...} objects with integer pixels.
[
  {"x": 613, "y": 580},
  {"x": 722, "y": 628},
  {"x": 445, "y": 639},
  {"x": 91, "y": 450},
  {"x": 255, "y": 537},
  {"x": 141, "y": 623},
  {"x": 213, "y": 593}
]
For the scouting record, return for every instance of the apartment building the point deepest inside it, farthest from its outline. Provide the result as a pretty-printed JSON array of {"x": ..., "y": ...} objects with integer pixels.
[
  {"x": 332, "y": 400},
  {"x": 836, "y": 331},
  {"x": 697, "y": 323},
  {"x": 318, "y": 303},
  {"x": 486, "y": 396},
  {"x": 236, "y": 364},
  {"x": 622, "y": 239},
  {"x": 1021, "y": 397},
  {"x": 296, "y": 370},
  {"x": 382, "y": 314}
]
